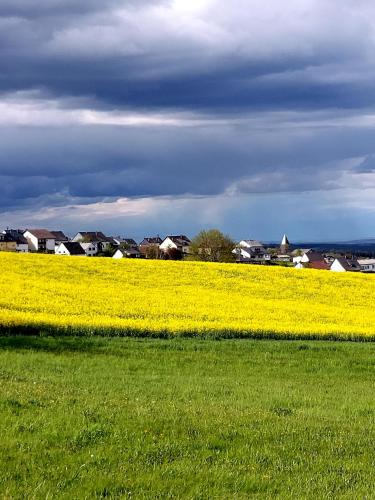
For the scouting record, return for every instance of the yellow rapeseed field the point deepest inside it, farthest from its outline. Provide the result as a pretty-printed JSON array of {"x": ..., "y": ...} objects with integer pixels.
[{"x": 85, "y": 296}]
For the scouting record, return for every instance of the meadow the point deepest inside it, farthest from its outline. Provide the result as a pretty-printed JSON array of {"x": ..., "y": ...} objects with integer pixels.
[
  {"x": 99, "y": 296},
  {"x": 186, "y": 418}
]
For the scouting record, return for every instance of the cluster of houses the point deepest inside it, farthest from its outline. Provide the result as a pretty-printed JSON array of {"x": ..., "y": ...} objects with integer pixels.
[
  {"x": 254, "y": 252},
  {"x": 90, "y": 244}
]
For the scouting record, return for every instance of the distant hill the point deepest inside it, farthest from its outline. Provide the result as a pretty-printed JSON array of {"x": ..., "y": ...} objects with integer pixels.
[
  {"x": 365, "y": 247},
  {"x": 368, "y": 241},
  {"x": 357, "y": 247}
]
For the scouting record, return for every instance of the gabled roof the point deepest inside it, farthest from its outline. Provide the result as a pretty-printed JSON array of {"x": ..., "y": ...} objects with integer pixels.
[
  {"x": 60, "y": 236},
  {"x": 127, "y": 241},
  {"x": 130, "y": 241},
  {"x": 74, "y": 248},
  {"x": 17, "y": 236},
  {"x": 314, "y": 256},
  {"x": 94, "y": 236},
  {"x": 318, "y": 264},
  {"x": 349, "y": 264},
  {"x": 252, "y": 243},
  {"x": 7, "y": 238},
  {"x": 128, "y": 251},
  {"x": 301, "y": 251},
  {"x": 153, "y": 240},
  {"x": 41, "y": 234},
  {"x": 180, "y": 239}
]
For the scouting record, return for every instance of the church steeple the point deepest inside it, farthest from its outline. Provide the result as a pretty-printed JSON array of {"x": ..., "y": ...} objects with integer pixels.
[{"x": 284, "y": 247}]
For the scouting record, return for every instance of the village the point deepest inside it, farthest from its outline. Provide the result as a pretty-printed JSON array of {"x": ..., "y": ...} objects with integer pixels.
[{"x": 177, "y": 247}]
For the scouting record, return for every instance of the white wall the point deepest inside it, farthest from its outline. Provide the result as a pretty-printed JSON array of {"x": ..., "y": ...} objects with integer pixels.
[
  {"x": 22, "y": 248},
  {"x": 90, "y": 249},
  {"x": 32, "y": 241},
  {"x": 367, "y": 265},
  {"x": 337, "y": 267},
  {"x": 167, "y": 243},
  {"x": 50, "y": 245},
  {"x": 118, "y": 255},
  {"x": 305, "y": 258},
  {"x": 61, "y": 250}
]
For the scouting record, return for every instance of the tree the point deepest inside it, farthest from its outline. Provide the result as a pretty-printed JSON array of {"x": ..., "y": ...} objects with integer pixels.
[
  {"x": 212, "y": 246},
  {"x": 172, "y": 254},
  {"x": 152, "y": 252},
  {"x": 108, "y": 251}
]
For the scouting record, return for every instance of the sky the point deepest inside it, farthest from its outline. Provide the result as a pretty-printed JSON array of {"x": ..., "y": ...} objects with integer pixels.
[{"x": 143, "y": 117}]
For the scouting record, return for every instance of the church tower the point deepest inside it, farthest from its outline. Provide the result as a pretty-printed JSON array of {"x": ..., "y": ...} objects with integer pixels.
[{"x": 284, "y": 247}]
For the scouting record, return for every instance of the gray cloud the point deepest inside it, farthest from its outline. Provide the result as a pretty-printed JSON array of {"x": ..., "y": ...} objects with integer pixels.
[
  {"x": 272, "y": 99},
  {"x": 106, "y": 162},
  {"x": 132, "y": 54}
]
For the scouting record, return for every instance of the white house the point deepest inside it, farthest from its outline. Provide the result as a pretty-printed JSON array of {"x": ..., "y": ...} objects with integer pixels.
[
  {"x": 40, "y": 240},
  {"x": 311, "y": 256},
  {"x": 298, "y": 253},
  {"x": 367, "y": 265},
  {"x": 129, "y": 253},
  {"x": 92, "y": 242},
  {"x": 70, "y": 248},
  {"x": 251, "y": 250},
  {"x": 180, "y": 242},
  {"x": 90, "y": 249},
  {"x": 342, "y": 265}
]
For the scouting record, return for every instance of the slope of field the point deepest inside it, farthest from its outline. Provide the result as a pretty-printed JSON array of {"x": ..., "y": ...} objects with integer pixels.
[
  {"x": 184, "y": 418},
  {"x": 129, "y": 297}
]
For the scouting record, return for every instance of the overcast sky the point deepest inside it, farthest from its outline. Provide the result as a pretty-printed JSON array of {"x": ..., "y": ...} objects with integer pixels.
[{"x": 167, "y": 116}]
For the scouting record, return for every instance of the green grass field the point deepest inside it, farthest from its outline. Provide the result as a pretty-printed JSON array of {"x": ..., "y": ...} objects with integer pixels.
[{"x": 185, "y": 418}]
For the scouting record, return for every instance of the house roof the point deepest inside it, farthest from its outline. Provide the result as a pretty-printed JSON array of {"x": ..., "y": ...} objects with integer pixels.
[
  {"x": 7, "y": 238},
  {"x": 154, "y": 240},
  {"x": 41, "y": 234},
  {"x": 301, "y": 251},
  {"x": 349, "y": 264},
  {"x": 59, "y": 236},
  {"x": 315, "y": 256},
  {"x": 74, "y": 248},
  {"x": 252, "y": 243},
  {"x": 364, "y": 262},
  {"x": 318, "y": 264},
  {"x": 130, "y": 241},
  {"x": 94, "y": 236},
  {"x": 118, "y": 240},
  {"x": 129, "y": 251},
  {"x": 180, "y": 239},
  {"x": 17, "y": 236},
  {"x": 253, "y": 250}
]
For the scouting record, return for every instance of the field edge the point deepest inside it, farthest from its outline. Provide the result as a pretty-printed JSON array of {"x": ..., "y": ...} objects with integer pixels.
[{"x": 52, "y": 331}]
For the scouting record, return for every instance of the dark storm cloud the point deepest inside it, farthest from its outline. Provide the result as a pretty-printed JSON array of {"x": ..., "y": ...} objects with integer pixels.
[
  {"x": 88, "y": 164},
  {"x": 136, "y": 57},
  {"x": 37, "y": 8}
]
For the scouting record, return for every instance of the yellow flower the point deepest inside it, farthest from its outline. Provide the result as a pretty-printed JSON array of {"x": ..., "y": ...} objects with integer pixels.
[{"x": 72, "y": 295}]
